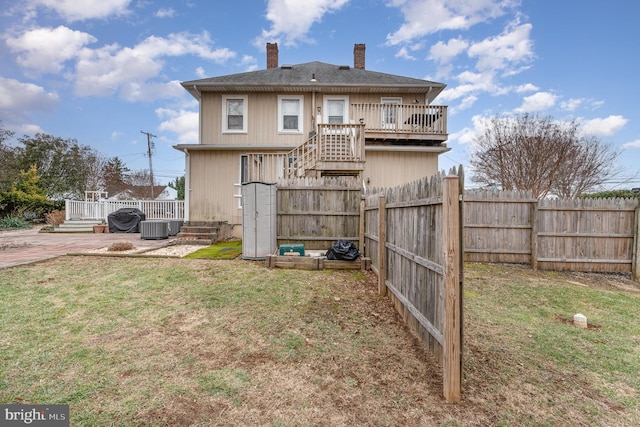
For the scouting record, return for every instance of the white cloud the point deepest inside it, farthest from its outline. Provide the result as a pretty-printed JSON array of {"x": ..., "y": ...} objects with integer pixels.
[
  {"x": 292, "y": 20},
  {"x": 445, "y": 52},
  {"x": 527, "y": 87},
  {"x": 47, "y": 49},
  {"x": 201, "y": 73},
  {"x": 467, "y": 103},
  {"x": 16, "y": 96},
  {"x": 467, "y": 135},
  {"x": 74, "y": 10},
  {"x": 165, "y": 13},
  {"x": 112, "y": 69},
  {"x": 18, "y": 100},
  {"x": 403, "y": 53},
  {"x": 604, "y": 126},
  {"x": 631, "y": 145},
  {"x": 512, "y": 47},
  {"x": 424, "y": 17},
  {"x": 181, "y": 122},
  {"x": 572, "y": 104},
  {"x": 537, "y": 102},
  {"x": 249, "y": 63}
]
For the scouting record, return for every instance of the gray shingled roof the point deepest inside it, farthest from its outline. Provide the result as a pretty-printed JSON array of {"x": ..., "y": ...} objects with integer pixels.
[{"x": 329, "y": 78}]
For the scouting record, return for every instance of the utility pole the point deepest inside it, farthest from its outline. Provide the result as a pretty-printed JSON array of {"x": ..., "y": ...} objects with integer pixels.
[{"x": 149, "y": 148}]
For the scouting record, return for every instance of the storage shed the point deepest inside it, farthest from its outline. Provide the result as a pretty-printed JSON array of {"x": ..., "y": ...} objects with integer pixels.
[{"x": 259, "y": 226}]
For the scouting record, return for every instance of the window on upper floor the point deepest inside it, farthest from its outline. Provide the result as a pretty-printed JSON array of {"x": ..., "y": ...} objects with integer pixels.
[
  {"x": 336, "y": 109},
  {"x": 234, "y": 114},
  {"x": 290, "y": 114}
]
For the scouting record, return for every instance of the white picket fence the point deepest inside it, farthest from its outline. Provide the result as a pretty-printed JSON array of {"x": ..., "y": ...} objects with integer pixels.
[{"x": 99, "y": 210}]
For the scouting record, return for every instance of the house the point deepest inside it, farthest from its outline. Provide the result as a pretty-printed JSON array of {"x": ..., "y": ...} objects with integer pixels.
[
  {"x": 311, "y": 119},
  {"x": 143, "y": 192}
]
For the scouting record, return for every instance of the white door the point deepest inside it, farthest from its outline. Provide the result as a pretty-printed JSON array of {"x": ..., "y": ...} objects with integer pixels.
[{"x": 391, "y": 113}]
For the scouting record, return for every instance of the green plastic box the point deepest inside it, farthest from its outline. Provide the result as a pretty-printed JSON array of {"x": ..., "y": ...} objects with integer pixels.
[{"x": 291, "y": 248}]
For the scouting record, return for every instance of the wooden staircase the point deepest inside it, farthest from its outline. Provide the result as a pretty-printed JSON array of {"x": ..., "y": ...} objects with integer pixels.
[
  {"x": 203, "y": 232},
  {"x": 336, "y": 150}
]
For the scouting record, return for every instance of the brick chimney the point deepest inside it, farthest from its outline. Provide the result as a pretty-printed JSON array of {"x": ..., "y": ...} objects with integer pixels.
[
  {"x": 272, "y": 55},
  {"x": 358, "y": 56}
]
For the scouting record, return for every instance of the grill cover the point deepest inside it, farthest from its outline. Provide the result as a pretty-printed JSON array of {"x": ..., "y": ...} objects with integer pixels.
[{"x": 125, "y": 220}]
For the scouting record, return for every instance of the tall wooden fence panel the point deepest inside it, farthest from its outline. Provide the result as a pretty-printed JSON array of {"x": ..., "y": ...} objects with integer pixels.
[
  {"x": 498, "y": 226},
  {"x": 593, "y": 235},
  {"x": 412, "y": 235},
  {"x": 318, "y": 211}
]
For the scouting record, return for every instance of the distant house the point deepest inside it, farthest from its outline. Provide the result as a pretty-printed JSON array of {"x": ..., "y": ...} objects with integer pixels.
[
  {"x": 137, "y": 192},
  {"x": 311, "y": 119}
]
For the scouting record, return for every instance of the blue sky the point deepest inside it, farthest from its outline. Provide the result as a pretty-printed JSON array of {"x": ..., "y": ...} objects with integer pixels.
[{"x": 102, "y": 71}]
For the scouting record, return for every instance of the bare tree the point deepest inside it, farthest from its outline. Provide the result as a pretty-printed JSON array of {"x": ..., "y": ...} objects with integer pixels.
[
  {"x": 534, "y": 153},
  {"x": 592, "y": 162}
]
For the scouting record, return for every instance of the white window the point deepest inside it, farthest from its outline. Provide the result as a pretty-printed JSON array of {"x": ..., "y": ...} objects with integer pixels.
[
  {"x": 290, "y": 117},
  {"x": 336, "y": 109},
  {"x": 234, "y": 114}
]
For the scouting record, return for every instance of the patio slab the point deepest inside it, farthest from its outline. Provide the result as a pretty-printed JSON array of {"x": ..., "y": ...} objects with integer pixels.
[{"x": 18, "y": 247}]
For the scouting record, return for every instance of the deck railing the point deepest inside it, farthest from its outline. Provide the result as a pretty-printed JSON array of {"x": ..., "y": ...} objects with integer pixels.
[
  {"x": 332, "y": 143},
  {"x": 402, "y": 118},
  {"x": 100, "y": 210}
]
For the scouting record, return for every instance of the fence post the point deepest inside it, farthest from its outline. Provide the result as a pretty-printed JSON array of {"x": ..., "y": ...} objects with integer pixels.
[
  {"x": 635, "y": 268},
  {"x": 452, "y": 378},
  {"x": 362, "y": 226},
  {"x": 534, "y": 234},
  {"x": 382, "y": 242}
]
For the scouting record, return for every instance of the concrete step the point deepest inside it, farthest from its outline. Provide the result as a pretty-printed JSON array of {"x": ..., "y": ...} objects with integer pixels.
[
  {"x": 188, "y": 241},
  {"x": 202, "y": 238},
  {"x": 205, "y": 223},
  {"x": 201, "y": 232},
  {"x": 76, "y": 226},
  {"x": 199, "y": 229}
]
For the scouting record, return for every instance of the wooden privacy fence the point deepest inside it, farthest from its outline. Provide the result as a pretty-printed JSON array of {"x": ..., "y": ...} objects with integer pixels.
[
  {"x": 413, "y": 236},
  {"x": 592, "y": 235},
  {"x": 318, "y": 211}
]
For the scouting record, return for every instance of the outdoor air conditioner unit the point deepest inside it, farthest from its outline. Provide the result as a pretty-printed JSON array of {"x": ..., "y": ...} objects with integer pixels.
[
  {"x": 154, "y": 230},
  {"x": 174, "y": 226}
]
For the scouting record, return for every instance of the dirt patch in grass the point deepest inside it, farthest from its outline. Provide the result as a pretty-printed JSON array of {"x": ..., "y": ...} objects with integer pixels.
[{"x": 226, "y": 343}]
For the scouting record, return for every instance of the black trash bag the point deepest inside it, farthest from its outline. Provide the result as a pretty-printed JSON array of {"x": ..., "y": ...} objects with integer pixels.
[{"x": 343, "y": 250}]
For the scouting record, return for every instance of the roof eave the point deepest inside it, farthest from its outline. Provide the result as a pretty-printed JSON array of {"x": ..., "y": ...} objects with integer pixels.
[{"x": 196, "y": 88}]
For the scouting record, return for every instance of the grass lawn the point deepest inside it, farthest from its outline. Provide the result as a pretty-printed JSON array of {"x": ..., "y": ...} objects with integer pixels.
[{"x": 140, "y": 342}]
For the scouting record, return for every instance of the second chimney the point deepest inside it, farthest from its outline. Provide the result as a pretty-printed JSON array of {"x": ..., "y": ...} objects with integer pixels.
[
  {"x": 272, "y": 55},
  {"x": 358, "y": 56}
]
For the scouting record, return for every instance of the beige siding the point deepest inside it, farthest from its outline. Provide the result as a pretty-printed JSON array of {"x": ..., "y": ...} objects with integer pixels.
[
  {"x": 262, "y": 116},
  {"x": 213, "y": 175},
  {"x": 390, "y": 169},
  {"x": 262, "y": 121}
]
